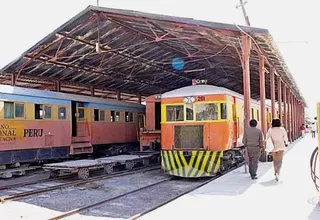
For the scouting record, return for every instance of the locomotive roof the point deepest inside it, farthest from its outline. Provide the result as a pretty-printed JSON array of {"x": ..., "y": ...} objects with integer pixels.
[
  {"x": 63, "y": 96},
  {"x": 197, "y": 90}
]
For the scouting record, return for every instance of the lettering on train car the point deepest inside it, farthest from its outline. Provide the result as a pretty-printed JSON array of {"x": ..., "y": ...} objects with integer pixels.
[
  {"x": 33, "y": 132},
  {"x": 201, "y": 98},
  {"x": 7, "y": 133}
]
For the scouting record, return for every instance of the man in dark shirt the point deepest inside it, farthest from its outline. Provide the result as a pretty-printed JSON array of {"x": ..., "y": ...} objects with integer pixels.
[{"x": 253, "y": 141}]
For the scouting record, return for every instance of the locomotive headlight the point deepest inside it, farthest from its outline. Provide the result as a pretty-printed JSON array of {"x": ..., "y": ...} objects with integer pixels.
[{"x": 189, "y": 99}]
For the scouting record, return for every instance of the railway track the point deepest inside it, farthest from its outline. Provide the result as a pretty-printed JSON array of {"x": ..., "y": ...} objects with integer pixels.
[
  {"x": 75, "y": 211},
  {"x": 21, "y": 190},
  {"x": 139, "y": 190}
]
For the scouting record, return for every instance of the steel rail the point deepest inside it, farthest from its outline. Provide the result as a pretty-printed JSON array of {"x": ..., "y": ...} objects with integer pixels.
[
  {"x": 77, "y": 182},
  {"x": 182, "y": 194},
  {"x": 78, "y": 210},
  {"x": 75, "y": 211}
]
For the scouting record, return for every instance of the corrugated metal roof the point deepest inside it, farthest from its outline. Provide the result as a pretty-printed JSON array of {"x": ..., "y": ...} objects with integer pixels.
[{"x": 137, "y": 51}]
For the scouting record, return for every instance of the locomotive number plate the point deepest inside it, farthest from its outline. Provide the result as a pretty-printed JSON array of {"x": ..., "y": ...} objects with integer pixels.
[{"x": 201, "y": 98}]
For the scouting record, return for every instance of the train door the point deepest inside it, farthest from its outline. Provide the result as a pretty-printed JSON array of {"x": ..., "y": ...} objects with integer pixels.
[
  {"x": 82, "y": 122},
  {"x": 157, "y": 115},
  {"x": 80, "y": 126},
  {"x": 74, "y": 118}
]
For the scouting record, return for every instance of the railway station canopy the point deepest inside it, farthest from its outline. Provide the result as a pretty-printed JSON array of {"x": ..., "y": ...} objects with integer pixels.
[{"x": 141, "y": 54}]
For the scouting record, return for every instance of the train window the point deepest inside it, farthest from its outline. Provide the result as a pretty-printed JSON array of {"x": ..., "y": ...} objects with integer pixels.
[
  {"x": 117, "y": 116},
  {"x": 81, "y": 114},
  {"x": 252, "y": 113},
  {"x": 47, "y": 112},
  {"x": 8, "y": 110},
  {"x": 189, "y": 112},
  {"x": 62, "y": 113},
  {"x": 112, "y": 116},
  {"x": 129, "y": 116},
  {"x": 96, "y": 114},
  {"x": 102, "y": 115},
  {"x": 223, "y": 110},
  {"x": 175, "y": 113},
  {"x": 207, "y": 111},
  {"x": 38, "y": 111},
  {"x": 258, "y": 114},
  {"x": 19, "y": 110}
]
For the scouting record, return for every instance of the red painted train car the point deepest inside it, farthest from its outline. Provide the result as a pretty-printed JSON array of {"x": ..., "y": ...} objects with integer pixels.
[{"x": 42, "y": 125}]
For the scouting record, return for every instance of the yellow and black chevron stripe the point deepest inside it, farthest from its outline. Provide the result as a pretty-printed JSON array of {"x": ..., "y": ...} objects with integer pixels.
[{"x": 196, "y": 164}]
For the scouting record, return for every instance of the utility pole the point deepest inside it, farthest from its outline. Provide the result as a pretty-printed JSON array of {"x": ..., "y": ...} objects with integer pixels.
[
  {"x": 97, "y": 2},
  {"x": 242, "y": 4}
]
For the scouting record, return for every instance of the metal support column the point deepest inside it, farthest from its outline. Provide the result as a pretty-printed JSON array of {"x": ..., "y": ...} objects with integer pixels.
[
  {"x": 298, "y": 117},
  {"x": 289, "y": 114},
  {"x": 92, "y": 90},
  {"x": 119, "y": 95},
  {"x": 13, "y": 79},
  {"x": 279, "y": 98},
  {"x": 246, "y": 47},
  {"x": 245, "y": 61},
  {"x": 262, "y": 95},
  {"x": 292, "y": 116},
  {"x": 318, "y": 130},
  {"x": 294, "y": 121},
  {"x": 285, "y": 108},
  {"x": 58, "y": 86},
  {"x": 262, "y": 102},
  {"x": 139, "y": 99},
  {"x": 273, "y": 94}
]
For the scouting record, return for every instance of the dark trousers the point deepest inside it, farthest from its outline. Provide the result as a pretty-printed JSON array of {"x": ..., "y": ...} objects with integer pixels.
[
  {"x": 254, "y": 155},
  {"x": 313, "y": 133}
]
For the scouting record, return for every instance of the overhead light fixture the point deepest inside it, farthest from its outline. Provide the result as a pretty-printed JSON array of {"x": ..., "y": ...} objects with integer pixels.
[{"x": 98, "y": 47}]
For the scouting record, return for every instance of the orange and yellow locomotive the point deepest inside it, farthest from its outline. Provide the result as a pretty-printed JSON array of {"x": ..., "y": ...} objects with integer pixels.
[{"x": 201, "y": 129}]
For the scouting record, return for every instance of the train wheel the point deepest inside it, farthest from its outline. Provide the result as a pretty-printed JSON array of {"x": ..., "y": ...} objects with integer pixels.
[
  {"x": 83, "y": 173},
  {"x": 145, "y": 162},
  {"x": 129, "y": 165},
  {"x": 54, "y": 174},
  {"x": 108, "y": 169}
]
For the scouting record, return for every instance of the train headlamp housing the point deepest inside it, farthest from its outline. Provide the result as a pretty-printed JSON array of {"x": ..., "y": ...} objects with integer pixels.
[{"x": 189, "y": 99}]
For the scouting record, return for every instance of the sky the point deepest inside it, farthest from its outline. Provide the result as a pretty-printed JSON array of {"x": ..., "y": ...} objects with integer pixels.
[{"x": 292, "y": 23}]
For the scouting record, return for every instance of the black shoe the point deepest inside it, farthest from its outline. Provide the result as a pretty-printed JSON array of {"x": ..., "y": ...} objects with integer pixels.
[{"x": 254, "y": 177}]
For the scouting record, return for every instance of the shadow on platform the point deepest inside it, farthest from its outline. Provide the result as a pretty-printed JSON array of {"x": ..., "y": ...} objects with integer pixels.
[
  {"x": 315, "y": 214},
  {"x": 238, "y": 182}
]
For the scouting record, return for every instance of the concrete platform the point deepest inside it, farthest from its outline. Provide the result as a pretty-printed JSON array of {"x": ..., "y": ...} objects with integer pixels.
[{"x": 236, "y": 196}]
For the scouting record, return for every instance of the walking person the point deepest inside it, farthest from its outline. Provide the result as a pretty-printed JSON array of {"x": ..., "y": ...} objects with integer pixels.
[
  {"x": 313, "y": 130},
  {"x": 279, "y": 141},
  {"x": 253, "y": 142}
]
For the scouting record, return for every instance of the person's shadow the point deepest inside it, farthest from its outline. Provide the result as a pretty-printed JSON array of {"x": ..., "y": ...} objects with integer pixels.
[{"x": 270, "y": 183}]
